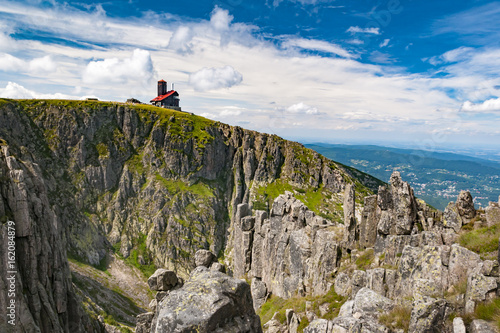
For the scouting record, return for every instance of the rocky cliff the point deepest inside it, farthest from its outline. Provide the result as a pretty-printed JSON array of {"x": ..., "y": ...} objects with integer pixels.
[
  {"x": 146, "y": 186},
  {"x": 400, "y": 267},
  {"x": 37, "y": 276}
]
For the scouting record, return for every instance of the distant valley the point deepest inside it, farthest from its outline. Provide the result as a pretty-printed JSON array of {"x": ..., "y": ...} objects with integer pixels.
[{"x": 436, "y": 177}]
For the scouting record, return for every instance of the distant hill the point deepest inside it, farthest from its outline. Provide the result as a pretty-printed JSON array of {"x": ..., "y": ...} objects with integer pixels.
[{"x": 435, "y": 176}]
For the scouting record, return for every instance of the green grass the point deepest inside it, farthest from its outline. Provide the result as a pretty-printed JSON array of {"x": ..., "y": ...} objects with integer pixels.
[
  {"x": 176, "y": 186},
  {"x": 314, "y": 198},
  {"x": 482, "y": 240},
  {"x": 397, "y": 318},
  {"x": 365, "y": 260},
  {"x": 298, "y": 304}
]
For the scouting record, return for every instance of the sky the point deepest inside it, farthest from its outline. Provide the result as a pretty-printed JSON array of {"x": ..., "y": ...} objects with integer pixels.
[{"x": 402, "y": 72}]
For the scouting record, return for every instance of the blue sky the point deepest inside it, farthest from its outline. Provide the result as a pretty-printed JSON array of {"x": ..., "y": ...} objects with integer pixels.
[{"x": 406, "y": 72}]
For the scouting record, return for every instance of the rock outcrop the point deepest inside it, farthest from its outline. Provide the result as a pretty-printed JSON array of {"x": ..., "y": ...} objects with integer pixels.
[
  {"x": 209, "y": 301},
  {"x": 293, "y": 251},
  {"x": 38, "y": 274}
]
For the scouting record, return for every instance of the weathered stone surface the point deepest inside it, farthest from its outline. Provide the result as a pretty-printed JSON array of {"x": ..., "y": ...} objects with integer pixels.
[
  {"x": 404, "y": 205},
  {"x": 375, "y": 280},
  {"x": 319, "y": 326},
  {"x": 462, "y": 262},
  {"x": 292, "y": 321},
  {"x": 45, "y": 298},
  {"x": 479, "y": 287},
  {"x": 259, "y": 293},
  {"x": 343, "y": 284},
  {"x": 492, "y": 213},
  {"x": 427, "y": 315},
  {"x": 452, "y": 218},
  {"x": 358, "y": 281},
  {"x": 162, "y": 280},
  {"x": 369, "y": 222},
  {"x": 371, "y": 304},
  {"x": 351, "y": 231},
  {"x": 465, "y": 205},
  {"x": 481, "y": 326},
  {"x": 144, "y": 321},
  {"x": 294, "y": 251},
  {"x": 204, "y": 258},
  {"x": 458, "y": 325},
  {"x": 208, "y": 302},
  {"x": 421, "y": 264}
]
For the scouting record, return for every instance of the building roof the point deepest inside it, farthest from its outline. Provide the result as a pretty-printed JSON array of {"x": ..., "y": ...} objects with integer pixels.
[
  {"x": 161, "y": 81},
  {"x": 162, "y": 97}
]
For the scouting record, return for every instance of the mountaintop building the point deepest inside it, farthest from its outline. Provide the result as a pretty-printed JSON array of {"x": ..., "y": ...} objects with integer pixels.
[{"x": 166, "y": 99}]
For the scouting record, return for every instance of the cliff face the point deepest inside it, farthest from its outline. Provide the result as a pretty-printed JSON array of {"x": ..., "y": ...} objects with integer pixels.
[
  {"x": 154, "y": 184},
  {"x": 44, "y": 298}
]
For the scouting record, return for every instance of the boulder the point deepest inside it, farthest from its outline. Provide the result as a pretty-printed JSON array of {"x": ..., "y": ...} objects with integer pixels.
[
  {"x": 465, "y": 205},
  {"x": 259, "y": 293},
  {"x": 481, "y": 326},
  {"x": 343, "y": 284},
  {"x": 458, "y": 325},
  {"x": 462, "y": 261},
  {"x": 319, "y": 326},
  {"x": 451, "y": 217},
  {"x": 143, "y": 323},
  {"x": 292, "y": 321},
  {"x": 404, "y": 205},
  {"x": 427, "y": 315},
  {"x": 204, "y": 258},
  {"x": 162, "y": 280},
  {"x": 492, "y": 213},
  {"x": 208, "y": 302},
  {"x": 371, "y": 304},
  {"x": 479, "y": 287}
]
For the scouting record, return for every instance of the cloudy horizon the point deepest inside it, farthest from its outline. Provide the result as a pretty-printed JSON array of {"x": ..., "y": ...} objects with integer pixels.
[{"x": 341, "y": 73}]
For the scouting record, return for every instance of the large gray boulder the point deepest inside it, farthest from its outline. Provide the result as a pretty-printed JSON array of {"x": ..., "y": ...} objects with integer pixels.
[
  {"x": 204, "y": 258},
  {"x": 162, "y": 280},
  {"x": 451, "y": 217},
  {"x": 427, "y": 315},
  {"x": 209, "y": 301},
  {"x": 368, "y": 303},
  {"x": 465, "y": 205}
]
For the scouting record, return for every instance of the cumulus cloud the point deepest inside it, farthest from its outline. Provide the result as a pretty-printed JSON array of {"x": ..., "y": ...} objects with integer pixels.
[
  {"x": 301, "y": 108},
  {"x": 220, "y": 19},
  {"x": 357, "y": 30},
  {"x": 181, "y": 40},
  {"x": 489, "y": 105},
  {"x": 136, "y": 69},
  {"x": 215, "y": 78},
  {"x": 43, "y": 65},
  {"x": 317, "y": 45},
  {"x": 14, "y": 90}
]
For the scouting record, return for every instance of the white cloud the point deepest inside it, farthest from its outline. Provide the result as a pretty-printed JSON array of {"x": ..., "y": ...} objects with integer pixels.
[
  {"x": 385, "y": 42},
  {"x": 180, "y": 40},
  {"x": 138, "y": 69},
  {"x": 230, "y": 112},
  {"x": 14, "y": 90},
  {"x": 301, "y": 108},
  {"x": 489, "y": 105},
  {"x": 220, "y": 19},
  {"x": 317, "y": 45},
  {"x": 356, "y": 30},
  {"x": 215, "y": 78},
  {"x": 43, "y": 65}
]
